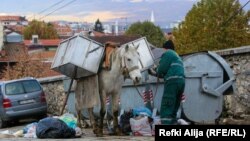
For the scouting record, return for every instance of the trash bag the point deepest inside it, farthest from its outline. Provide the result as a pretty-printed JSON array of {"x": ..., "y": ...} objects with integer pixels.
[
  {"x": 142, "y": 111},
  {"x": 54, "y": 128},
  {"x": 124, "y": 122},
  {"x": 140, "y": 126},
  {"x": 69, "y": 119},
  {"x": 29, "y": 131}
]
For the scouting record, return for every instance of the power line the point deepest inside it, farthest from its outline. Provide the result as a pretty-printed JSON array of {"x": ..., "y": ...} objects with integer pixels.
[
  {"x": 53, "y": 5},
  {"x": 58, "y": 9},
  {"x": 236, "y": 13}
]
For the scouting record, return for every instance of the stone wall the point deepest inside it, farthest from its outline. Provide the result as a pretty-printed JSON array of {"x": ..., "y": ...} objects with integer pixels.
[
  {"x": 55, "y": 94},
  {"x": 238, "y": 105}
]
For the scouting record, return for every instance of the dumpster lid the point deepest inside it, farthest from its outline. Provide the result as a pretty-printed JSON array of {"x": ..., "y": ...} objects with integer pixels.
[{"x": 228, "y": 73}]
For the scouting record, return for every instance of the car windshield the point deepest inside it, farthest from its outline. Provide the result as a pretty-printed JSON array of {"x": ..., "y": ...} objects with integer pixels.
[{"x": 22, "y": 87}]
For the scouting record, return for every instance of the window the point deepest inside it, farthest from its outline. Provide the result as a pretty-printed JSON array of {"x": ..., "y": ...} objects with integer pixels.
[
  {"x": 22, "y": 87},
  {"x": 14, "y": 88},
  {"x": 31, "y": 86}
]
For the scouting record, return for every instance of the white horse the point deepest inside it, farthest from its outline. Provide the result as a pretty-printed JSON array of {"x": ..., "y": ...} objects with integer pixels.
[{"x": 124, "y": 63}]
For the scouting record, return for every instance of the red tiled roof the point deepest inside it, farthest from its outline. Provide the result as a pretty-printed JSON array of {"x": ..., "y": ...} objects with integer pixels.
[
  {"x": 44, "y": 42},
  {"x": 63, "y": 30},
  {"x": 16, "y": 28},
  {"x": 98, "y": 34},
  {"x": 10, "y": 18}
]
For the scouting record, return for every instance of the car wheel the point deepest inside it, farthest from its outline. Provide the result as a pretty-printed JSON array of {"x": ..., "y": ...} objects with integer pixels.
[{"x": 2, "y": 123}]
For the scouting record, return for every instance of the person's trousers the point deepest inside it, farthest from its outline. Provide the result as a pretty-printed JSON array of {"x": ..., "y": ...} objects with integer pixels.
[{"x": 173, "y": 89}]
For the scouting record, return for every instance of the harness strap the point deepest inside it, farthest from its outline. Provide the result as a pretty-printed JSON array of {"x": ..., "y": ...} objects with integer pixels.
[{"x": 133, "y": 68}]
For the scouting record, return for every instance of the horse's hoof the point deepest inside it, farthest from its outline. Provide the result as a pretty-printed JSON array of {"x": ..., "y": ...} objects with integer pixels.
[
  {"x": 112, "y": 133},
  {"x": 99, "y": 135},
  {"x": 95, "y": 131},
  {"x": 85, "y": 125}
]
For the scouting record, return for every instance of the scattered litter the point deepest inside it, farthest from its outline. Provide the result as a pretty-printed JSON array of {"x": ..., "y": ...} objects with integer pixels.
[
  {"x": 19, "y": 133},
  {"x": 140, "y": 126},
  {"x": 182, "y": 122},
  {"x": 69, "y": 119},
  {"x": 6, "y": 134}
]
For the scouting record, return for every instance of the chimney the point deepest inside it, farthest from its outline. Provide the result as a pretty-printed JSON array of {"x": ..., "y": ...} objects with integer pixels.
[{"x": 34, "y": 39}]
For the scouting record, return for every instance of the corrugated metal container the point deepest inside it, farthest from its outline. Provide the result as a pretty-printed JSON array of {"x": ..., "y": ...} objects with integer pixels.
[
  {"x": 146, "y": 55},
  {"x": 78, "y": 57},
  {"x": 208, "y": 78}
]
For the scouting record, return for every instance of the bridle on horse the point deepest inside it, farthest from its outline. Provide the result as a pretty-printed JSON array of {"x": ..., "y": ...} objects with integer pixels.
[{"x": 125, "y": 70}]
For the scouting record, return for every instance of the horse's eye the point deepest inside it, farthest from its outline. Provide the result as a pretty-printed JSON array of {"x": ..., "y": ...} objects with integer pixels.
[{"x": 129, "y": 59}]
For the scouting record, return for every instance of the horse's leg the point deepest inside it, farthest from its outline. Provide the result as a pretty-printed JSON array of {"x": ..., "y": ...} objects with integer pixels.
[
  {"x": 78, "y": 115},
  {"x": 102, "y": 112},
  {"x": 92, "y": 120},
  {"x": 78, "y": 107},
  {"x": 115, "y": 110}
]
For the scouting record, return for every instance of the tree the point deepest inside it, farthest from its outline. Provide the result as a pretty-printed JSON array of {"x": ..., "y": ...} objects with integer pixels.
[
  {"x": 42, "y": 29},
  {"x": 208, "y": 26},
  {"x": 25, "y": 67},
  {"x": 98, "y": 26},
  {"x": 153, "y": 33}
]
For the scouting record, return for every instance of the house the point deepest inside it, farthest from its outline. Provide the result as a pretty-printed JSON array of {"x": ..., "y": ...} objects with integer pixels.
[
  {"x": 13, "y": 20},
  {"x": 13, "y": 37},
  {"x": 63, "y": 30},
  {"x": 16, "y": 28},
  {"x": 9, "y": 54},
  {"x": 36, "y": 45}
]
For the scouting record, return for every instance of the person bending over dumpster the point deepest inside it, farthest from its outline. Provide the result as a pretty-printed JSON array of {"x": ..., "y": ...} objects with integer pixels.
[{"x": 171, "y": 69}]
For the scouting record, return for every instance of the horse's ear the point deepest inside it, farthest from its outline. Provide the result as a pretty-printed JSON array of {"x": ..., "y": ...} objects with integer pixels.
[
  {"x": 137, "y": 47},
  {"x": 107, "y": 44},
  {"x": 126, "y": 48}
]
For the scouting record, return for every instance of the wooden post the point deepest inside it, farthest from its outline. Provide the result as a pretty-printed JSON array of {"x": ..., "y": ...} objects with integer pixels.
[{"x": 68, "y": 92}]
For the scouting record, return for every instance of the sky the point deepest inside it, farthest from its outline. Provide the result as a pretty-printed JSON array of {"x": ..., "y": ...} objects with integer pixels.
[{"x": 165, "y": 11}]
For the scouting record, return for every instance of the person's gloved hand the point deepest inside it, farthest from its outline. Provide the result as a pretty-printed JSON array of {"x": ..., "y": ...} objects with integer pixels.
[
  {"x": 154, "y": 67},
  {"x": 152, "y": 71}
]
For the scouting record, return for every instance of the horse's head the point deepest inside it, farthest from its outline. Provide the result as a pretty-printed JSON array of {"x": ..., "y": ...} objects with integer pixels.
[{"x": 130, "y": 63}]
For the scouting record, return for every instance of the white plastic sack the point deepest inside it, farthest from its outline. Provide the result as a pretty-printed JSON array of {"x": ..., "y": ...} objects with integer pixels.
[
  {"x": 140, "y": 126},
  {"x": 157, "y": 121}
]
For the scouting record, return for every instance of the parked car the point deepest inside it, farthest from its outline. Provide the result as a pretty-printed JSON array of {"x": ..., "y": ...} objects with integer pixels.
[{"x": 22, "y": 98}]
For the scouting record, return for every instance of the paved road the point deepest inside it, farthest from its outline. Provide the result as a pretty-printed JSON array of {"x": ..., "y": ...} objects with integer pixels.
[{"x": 88, "y": 135}]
